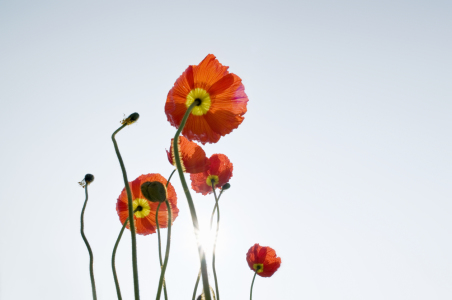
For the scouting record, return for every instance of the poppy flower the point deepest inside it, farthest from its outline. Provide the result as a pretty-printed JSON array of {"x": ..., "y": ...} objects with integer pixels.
[
  {"x": 193, "y": 158},
  {"x": 220, "y": 171},
  {"x": 144, "y": 215},
  {"x": 263, "y": 259},
  {"x": 221, "y": 101}
]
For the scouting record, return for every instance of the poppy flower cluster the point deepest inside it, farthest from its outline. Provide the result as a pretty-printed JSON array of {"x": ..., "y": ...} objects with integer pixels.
[
  {"x": 144, "y": 209},
  {"x": 208, "y": 102}
]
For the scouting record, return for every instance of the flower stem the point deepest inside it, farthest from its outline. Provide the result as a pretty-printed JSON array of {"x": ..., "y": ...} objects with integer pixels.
[
  {"x": 252, "y": 284},
  {"x": 132, "y": 224},
  {"x": 202, "y": 255},
  {"x": 91, "y": 259},
  {"x": 158, "y": 234},
  {"x": 211, "y": 221},
  {"x": 196, "y": 284},
  {"x": 168, "y": 242},
  {"x": 215, "y": 242},
  {"x": 160, "y": 247},
  {"x": 113, "y": 257}
]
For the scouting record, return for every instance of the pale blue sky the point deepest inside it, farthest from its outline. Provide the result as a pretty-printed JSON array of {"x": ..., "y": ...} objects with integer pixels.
[{"x": 343, "y": 163}]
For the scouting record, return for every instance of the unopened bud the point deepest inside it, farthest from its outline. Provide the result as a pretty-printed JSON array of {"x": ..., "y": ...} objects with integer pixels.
[
  {"x": 154, "y": 191},
  {"x": 87, "y": 180},
  {"x": 130, "y": 119},
  {"x": 225, "y": 186}
]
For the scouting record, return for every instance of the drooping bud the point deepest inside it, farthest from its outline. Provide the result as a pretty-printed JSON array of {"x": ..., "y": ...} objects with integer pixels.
[
  {"x": 130, "y": 119},
  {"x": 154, "y": 191},
  {"x": 226, "y": 186},
  {"x": 87, "y": 180}
]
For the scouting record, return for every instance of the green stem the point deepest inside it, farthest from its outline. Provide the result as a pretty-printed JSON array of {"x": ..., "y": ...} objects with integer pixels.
[
  {"x": 113, "y": 257},
  {"x": 132, "y": 224},
  {"x": 214, "y": 209},
  {"x": 91, "y": 259},
  {"x": 168, "y": 243},
  {"x": 196, "y": 284},
  {"x": 169, "y": 178},
  {"x": 215, "y": 243},
  {"x": 211, "y": 221},
  {"x": 158, "y": 234},
  {"x": 160, "y": 248},
  {"x": 202, "y": 256},
  {"x": 252, "y": 284}
]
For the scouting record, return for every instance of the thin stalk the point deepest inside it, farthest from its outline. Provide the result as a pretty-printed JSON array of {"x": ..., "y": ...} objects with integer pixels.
[
  {"x": 211, "y": 221},
  {"x": 168, "y": 243},
  {"x": 132, "y": 224},
  {"x": 196, "y": 284},
  {"x": 158, "y": 234},
  {"x": 215, "y": 243},
  {"x": 214, "y": 209},
  {"x": 160, "y": 248},
  {"x": 91, "y": 258},
  {"x": 202, "y": 255},
  {"x": 252, "y": 284},
  {"x": 113, "y": 257}
]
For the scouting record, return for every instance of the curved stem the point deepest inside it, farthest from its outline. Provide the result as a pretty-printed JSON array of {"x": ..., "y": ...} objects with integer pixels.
[
  {"x": 215, "y": 243},
  {"x": 113, "y": 257},
  {"x": 252, "y": 284},
  {"x": 196, "y": 284},
  {"x": 91, "y": 258},
  {"x": 132, "y": 224},
  {"x": 202, "y": 256},
  {"x": 168, "y": 243},
  {"x": 158, "y": 234},
  {"x": 214, "y": 209},
  {"x": 169, "y": 178},
  {"x": 160, "y": 246}
]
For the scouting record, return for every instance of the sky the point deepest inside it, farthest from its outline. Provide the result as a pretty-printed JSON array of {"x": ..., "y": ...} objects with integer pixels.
[{"x": 342, "y": 164}]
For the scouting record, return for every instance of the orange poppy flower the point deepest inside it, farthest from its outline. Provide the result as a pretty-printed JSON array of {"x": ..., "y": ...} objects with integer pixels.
[
  {"x": 193, "y": 158},
  {"x": 221, "y": 96},
  {"x": 145, "y": 215},
  {"x": 220, "y": 171},
  {"x": 263, "y": 259}
]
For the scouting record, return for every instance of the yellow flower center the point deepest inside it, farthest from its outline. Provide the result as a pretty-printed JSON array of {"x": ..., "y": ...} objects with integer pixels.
[
  {"x": 203, "y": 97},
  {"x": 141, "y": 208},
  {"x": 213, "y": 178},
  {"x": 259, "y": 268}
]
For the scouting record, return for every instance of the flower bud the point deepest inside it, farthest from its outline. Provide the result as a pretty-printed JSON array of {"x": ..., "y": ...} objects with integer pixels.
[
  {"x": 154, "y": 191},
  {"x": 226, "y": 186},
  {"x": 87, "y": 180},
  {"x": 130, "y": 119}
]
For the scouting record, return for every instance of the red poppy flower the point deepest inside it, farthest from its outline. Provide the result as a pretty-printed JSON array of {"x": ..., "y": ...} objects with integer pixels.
[
  {"x": 220, "y": 171},
  {"x": 263, "y": 259},
  {"x": 145, "y": 215},
  {"x": 193, "y": 158},
  {"x": 221, "y": 96}
]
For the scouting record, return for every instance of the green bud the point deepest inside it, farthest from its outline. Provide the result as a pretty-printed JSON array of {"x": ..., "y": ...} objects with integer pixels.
[
  {"x": 130, "y": 119},
  {"x": 226, "y": 186},
  {"x": 154, "y": 191}
]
